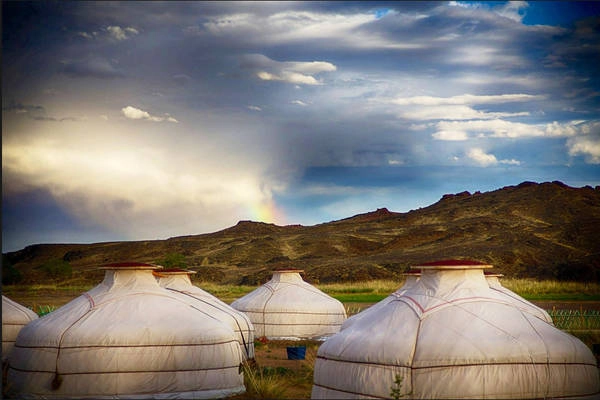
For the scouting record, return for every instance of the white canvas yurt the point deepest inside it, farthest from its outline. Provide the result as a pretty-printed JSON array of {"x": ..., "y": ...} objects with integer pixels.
[
  {"x": 450, "y": 336},
  {"x": 178, "y": 281},
  {"x": 287, "y": 307},
  {"x": 14, "y": 317},
  {"x": 126, "y": 338},
  {"x": 411, "y": 277},
  {"x": 493, "y": 280}
]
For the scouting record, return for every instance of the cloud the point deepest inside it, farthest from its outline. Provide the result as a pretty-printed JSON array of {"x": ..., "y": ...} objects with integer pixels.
[
  {"x": 482, "y": 158},
  {"x": 139, "y": 187},
  {"x": 296, "y": 72},
  {"x": 486, "y": 159},
  {"x": 36, "y": 112},
  {"x": 94, "y": 67},
  {"x": 135, "y": 113},
  {"x": 452, "y": 112},
  {"x": 497, "y": 128},
  {"x": 588, "y": 146},
  {"x": 449, "y": 135},
  {"x": 300, "y": 103},
  {"x": 354, "y": 30},
  {"x": 24, "y": 108},
  {"x": 118, "y": 33},
  {"x": 254, "y": 108},
  {"x": 513, "y": 10},
  {"x": 457, "y": 107},
  {"x": 466, "y": 99}
]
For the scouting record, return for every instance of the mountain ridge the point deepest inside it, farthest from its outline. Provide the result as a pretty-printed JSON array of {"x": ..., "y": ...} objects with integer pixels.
[{"x": 537, "y": 230}]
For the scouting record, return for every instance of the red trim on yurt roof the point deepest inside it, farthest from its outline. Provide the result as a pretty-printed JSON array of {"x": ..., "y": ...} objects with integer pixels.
[
  {"x": 130, "y": 265},
  {"x": 172, "y": 271},
  {"x": 453, "y": 264},
  {"x": 187, "y": 271},
  {"x": 492, "y": 274},
  {"x": 412, "y": 272}
]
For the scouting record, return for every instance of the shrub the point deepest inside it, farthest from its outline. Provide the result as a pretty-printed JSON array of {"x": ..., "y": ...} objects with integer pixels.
[
  {"x": 56, "y": 269},
  {"x": 264, "y": 383},
  {"x": 10, "y": 275},
  {"x": 174, "y": 260}
]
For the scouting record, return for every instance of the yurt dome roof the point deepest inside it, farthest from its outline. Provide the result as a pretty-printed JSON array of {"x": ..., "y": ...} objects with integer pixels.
[
  {"x": 178, "y": 282},
  {"x": 14, "y": 317},
  {"x": 448, "y": 336},
  {"x": 117, "y": 340},
  {"x": 287, "y": 307}
]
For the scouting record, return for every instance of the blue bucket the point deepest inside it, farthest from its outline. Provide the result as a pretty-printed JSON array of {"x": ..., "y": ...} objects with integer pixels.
[{"x": 296, "y": 353}]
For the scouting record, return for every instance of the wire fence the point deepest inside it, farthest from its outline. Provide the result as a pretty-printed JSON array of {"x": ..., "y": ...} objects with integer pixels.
[{"x": 575, "y": 319}]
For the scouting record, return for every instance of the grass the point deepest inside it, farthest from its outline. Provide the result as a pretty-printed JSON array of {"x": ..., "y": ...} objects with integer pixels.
[
  {"x": 530, "y": 289},
  {"x": 265, "y": 382}
]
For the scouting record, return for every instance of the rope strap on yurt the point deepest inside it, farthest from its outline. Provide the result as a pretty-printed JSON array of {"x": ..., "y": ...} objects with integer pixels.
[{"x": 57, "y": 381}]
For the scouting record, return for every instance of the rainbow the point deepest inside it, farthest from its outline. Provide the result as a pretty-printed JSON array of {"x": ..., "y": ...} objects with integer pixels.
[{"x": 267, "y": 212}]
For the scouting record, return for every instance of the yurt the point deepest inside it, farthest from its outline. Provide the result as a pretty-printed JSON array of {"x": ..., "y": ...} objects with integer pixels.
[
  {"x": 411, "y": 277},
  {"x": 451, "y": 336},
  {"x": 178, "y": 281},
  {"x": 493, "y": 280},
  {"x": 14, "y": 318},
  {"x": 126, "y": 338},
  {"x": 287, "y": 307}
]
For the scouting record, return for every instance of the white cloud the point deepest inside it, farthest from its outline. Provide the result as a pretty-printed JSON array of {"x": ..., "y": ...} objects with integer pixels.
[
  {"x": 296, "y": 72},
  {"x": 482, "y": 158},
  {"x": 118, "y": 33},
  {"x": 452, "y": 112},
  {"x": 457, "y": 107},
  {"x": 499, "y": 128},
  {"x": 511, "y": 10},
  {"x": 512, "y": 161},
  {"x": 85, "y": 35},
  {"x": 588, "y": 146},
  {"x": 254, "y": 108},
  {"x": 136, "y": 186},
  {"x": 289, "y": 27},
  {"x": 300, "y": 103},
  {"x": 466, "y": 99},
  {"x": 135, "y": 113},
  {"x": 494, "y": 128},
  {"x": 450, "y": 135},
  {"x": 480, "y": 55}
]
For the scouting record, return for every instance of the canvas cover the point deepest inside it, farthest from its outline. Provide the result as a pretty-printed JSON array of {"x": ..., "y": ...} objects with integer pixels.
[
  {"x": 178, "y": 281},
  {"x": 287, "y": 307},
  {"x": 451, "y": 336},
  {"x": 411, "y": 279},
  {"x": 14, "y": 317},
  {"x": 126, "y": 338},
  {"x": 519, "y": 302}
]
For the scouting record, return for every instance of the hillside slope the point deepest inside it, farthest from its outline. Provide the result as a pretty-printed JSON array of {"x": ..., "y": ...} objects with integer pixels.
[{"x": 529, "y": 230}]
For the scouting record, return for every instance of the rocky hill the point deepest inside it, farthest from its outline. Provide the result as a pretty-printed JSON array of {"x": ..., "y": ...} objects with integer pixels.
[{"x": 546, "y": 230}]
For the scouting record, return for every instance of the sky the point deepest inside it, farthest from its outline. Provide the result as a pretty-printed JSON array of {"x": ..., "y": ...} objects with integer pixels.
[{"x": 149, "y": 120}]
